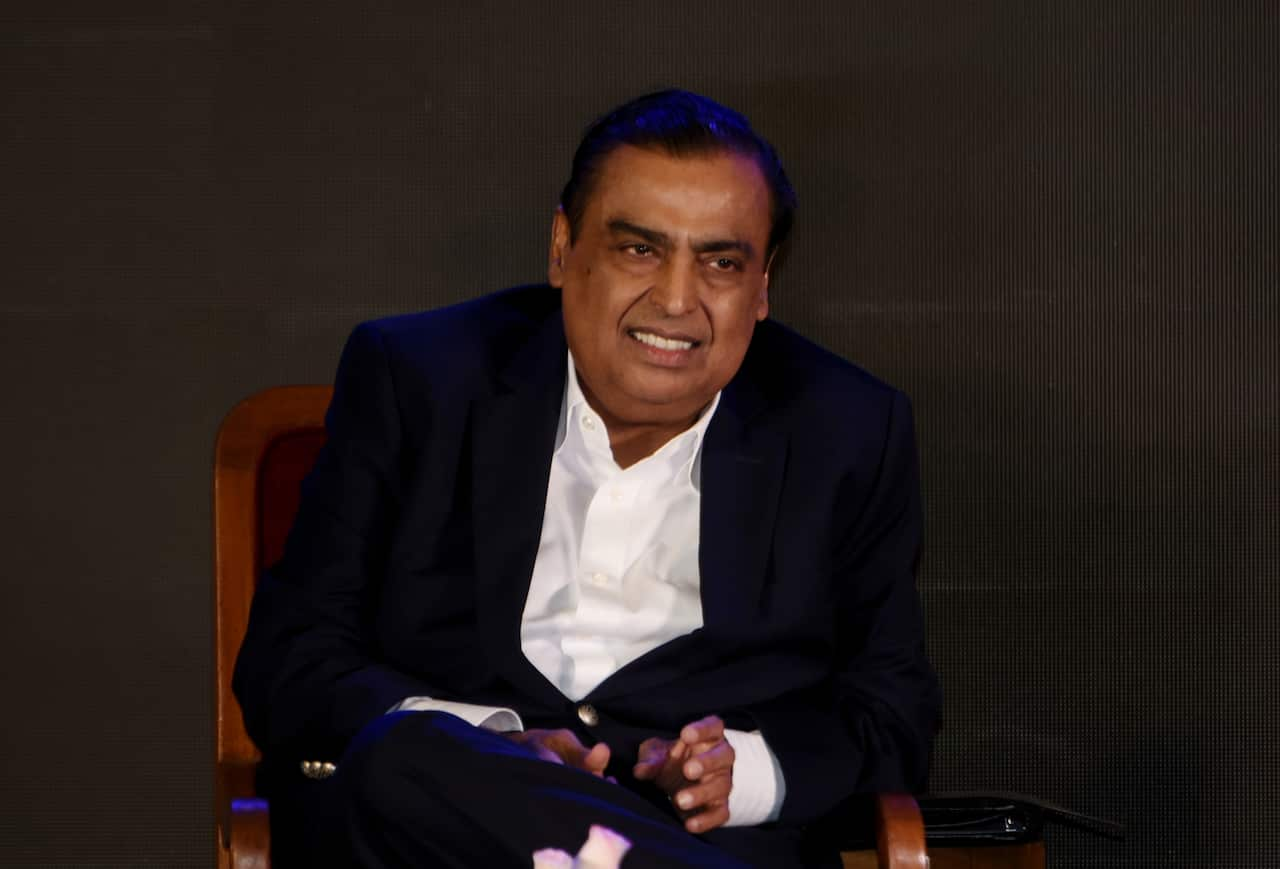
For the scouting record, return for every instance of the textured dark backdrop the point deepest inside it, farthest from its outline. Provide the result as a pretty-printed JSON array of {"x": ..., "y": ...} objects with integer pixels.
[{"x": 1054, "y": 224}]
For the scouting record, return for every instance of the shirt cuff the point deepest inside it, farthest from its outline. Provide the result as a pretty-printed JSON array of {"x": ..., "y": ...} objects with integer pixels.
[
  {"x": 758, "y": 785},
  {"x": 499, "y": 719}
]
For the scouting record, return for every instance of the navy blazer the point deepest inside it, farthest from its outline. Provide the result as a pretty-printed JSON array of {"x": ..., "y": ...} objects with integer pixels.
[{"x": 407, "y": 568}]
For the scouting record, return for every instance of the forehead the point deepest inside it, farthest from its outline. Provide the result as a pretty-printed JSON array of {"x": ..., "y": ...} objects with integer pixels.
[{"x": 720, "y": 191}]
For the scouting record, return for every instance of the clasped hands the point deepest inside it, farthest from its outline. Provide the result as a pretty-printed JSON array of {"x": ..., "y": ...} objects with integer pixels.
[{"x": 695, "y": 770}]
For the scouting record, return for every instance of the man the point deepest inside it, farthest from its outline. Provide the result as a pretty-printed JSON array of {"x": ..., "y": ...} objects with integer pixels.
[{"x": 618, "y": 550}]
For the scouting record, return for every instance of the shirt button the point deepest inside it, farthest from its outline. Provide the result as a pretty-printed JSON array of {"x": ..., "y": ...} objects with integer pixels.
[
  {"x": 599, "y": 580},
  {"x": 589, "y": 423},
  {"x": 588, "y": 715},
  {"x": 615, "y": 495}
]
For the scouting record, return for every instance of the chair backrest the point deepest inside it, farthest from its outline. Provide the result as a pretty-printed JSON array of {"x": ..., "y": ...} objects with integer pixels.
[{"x": 265, "y": 446}]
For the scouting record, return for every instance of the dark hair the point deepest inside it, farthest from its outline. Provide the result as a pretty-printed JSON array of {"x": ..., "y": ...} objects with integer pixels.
[{"x": 682, "y": 124}]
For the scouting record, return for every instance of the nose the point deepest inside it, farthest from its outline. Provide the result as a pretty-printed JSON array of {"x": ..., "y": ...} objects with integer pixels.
[{"x": 676, "y": 290}]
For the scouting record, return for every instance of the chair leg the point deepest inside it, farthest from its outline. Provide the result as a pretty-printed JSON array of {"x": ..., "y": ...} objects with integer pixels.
[
  {"x": 243, "y": 820},
  {"x": 250, "y": 835}
]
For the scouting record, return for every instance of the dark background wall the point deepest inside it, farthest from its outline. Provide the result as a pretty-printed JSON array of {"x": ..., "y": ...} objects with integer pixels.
[{"x": 1053, "y": 224}]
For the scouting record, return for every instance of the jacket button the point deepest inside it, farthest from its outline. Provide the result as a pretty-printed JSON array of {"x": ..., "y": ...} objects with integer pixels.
[
  {"x": 588, "y": 715},
  {"x": 318, "y": 769}
]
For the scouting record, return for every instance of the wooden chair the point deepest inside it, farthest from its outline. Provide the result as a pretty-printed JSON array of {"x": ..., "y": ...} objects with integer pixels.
[{"x": 265, "y": 446}]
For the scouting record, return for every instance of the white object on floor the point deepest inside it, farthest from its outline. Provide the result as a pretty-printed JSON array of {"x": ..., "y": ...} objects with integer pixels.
[{"x": 604, "y": 849}]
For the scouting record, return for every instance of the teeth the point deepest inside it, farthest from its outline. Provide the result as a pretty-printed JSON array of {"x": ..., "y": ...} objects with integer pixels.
[{"x": 660, "y": 342}]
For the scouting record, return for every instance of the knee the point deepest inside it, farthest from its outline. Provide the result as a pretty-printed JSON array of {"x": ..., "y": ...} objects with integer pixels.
[{"x": 391, "y": 752}]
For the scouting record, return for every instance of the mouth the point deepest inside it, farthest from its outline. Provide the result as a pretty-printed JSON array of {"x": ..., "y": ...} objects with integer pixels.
[{"x": 668, "y": 343}]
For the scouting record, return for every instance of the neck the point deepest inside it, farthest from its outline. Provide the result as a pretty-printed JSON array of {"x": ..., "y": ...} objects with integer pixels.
[
  {"x": 632, "y": 441},
  {"x": 630, "y": 444}
]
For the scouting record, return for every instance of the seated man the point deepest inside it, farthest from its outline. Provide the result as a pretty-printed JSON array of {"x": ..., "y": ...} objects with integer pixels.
[{"x": 616, "y": 550}]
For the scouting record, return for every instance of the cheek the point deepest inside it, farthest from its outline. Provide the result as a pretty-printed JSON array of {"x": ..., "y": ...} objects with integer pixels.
[
  {"x": 596, "y": 314},
  {"x": 735, "y": 322}
]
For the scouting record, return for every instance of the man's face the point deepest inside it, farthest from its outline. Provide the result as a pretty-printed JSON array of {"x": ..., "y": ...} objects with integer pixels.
[{"x": 665, "y": 281}]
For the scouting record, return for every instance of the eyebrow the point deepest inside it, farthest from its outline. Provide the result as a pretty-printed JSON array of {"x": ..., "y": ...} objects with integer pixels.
[{"x": 620, "y": 226}]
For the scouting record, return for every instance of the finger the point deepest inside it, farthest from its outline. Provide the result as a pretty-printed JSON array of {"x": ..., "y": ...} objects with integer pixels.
[
  {"x": 709, "y": 729},
  {"x": 649, "y": 758},
  {"x": 646, "y": 769},
  {"x": 718, "y": 758},
  {"x": 717, "y": 816},
  {"x": 698, "y": 748},
  {"x": 596, "y": 759},
  {"x": 535, "y": 742},
  {"x": 545, "y": 753},
  {"x": 709, "y": 792},
  {"x": 566, "y": 744},
  {"x": 653, "y": 748}
]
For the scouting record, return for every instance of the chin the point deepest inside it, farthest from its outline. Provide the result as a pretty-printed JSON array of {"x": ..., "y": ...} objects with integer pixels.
[
  {"x": 654, "y": 391},
  {"x": 668, "y": 406}
]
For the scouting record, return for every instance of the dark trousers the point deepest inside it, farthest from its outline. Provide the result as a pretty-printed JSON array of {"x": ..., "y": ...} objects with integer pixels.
[{"x": 425, "y": 789}]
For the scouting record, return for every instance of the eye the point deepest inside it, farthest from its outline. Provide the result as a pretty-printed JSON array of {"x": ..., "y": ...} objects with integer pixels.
[
  {"x": 639, "y": 248},
  {"x": 725, "y": 264}
]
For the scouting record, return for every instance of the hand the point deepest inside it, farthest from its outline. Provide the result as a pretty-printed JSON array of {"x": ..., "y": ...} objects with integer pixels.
[
  {"x": 562, "y": 746},
  {"x": 696, "y": 771}
]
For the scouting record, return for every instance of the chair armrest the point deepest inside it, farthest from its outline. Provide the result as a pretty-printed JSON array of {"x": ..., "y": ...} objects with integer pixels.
[
  {"x": 899, "y": 833},
  {"x": 244, "y": 831}
]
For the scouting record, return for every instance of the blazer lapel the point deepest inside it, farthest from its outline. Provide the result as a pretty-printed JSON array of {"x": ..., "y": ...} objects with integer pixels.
[
  {"x": 512, "y": 438},
  {"x": 742, "y": 468}
]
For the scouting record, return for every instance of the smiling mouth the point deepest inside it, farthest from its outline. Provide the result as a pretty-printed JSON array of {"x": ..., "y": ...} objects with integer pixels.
[{"x": 649, "y": 339}]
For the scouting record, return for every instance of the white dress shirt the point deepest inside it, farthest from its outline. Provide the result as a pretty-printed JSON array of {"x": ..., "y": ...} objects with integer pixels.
[{"x": 616, "y": 576}]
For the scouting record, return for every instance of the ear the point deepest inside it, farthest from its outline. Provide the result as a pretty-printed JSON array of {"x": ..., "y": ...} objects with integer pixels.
[
  {"x": 559, "y": 248},
  {"x": 762, "y": 308}
]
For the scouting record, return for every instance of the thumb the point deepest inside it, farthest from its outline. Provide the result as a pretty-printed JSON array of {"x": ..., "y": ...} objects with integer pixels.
[{"x": 650, "y": 757}]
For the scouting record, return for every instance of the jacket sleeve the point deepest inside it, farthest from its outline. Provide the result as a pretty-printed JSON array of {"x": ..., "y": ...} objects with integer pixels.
[
  {"x": 869, "y": 727},
  {"x": 308, "y": 676}
]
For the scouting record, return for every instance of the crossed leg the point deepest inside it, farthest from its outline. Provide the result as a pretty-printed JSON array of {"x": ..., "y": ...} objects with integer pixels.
[{"x": 428, "y": 789}]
